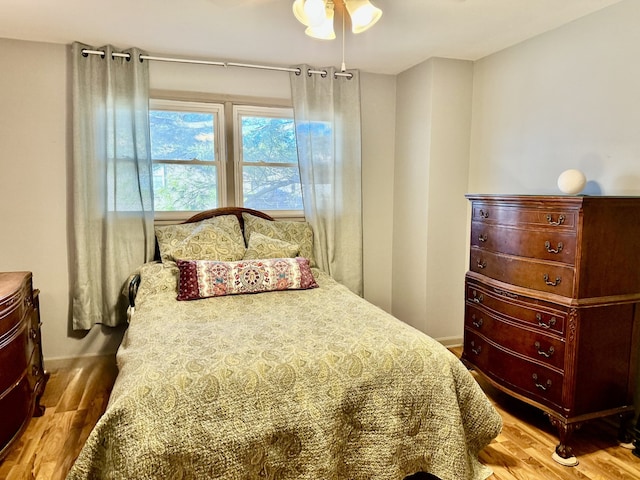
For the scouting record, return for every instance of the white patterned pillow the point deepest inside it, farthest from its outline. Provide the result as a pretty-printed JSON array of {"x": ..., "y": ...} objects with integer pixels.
[
  {"x": 297, "y": 233},
  {"x": 206, "y": 278},
  {"x": 261, "y": 246},
  {"x": 218, "y": 238}
]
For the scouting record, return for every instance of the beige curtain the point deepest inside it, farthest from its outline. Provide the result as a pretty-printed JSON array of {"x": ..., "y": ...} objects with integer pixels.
[
  {"x": 327, "y": 117},
  {"x": 112, "y": 181}
]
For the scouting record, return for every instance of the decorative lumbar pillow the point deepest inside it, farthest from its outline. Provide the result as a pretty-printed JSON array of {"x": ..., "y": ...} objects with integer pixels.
[
  {"x": 296, "y": 233},
  {"x": 207, "y": 278},
  {"x": 218, "y": 238},
  {"x": 261, "y": 246}
]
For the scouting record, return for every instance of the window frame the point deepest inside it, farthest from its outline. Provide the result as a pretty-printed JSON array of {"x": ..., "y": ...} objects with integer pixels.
[
  {"x": 217, "y": 109},
  {"x": 227, "y": 144},
  {"x": 238, "y": 110}
]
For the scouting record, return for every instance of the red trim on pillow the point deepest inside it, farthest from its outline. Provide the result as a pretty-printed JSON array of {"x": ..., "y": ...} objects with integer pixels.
[
  {"x": 307, "y": 281},
  {"x": 188, "y": 280}
]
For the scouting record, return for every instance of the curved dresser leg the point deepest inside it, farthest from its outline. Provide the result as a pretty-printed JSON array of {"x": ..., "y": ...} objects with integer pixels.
[
  {"x": 38, "y": 409},
  {"x": 563, "y": 453},
  {"x": 624, "y": 435}
]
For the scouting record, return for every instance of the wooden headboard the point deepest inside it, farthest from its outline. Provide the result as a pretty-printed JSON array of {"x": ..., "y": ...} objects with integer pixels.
[{"x": 237, "y": 211}]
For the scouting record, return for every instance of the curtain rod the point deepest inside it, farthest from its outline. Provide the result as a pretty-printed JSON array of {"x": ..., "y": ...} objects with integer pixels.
[{"x": 295, "y": 70}]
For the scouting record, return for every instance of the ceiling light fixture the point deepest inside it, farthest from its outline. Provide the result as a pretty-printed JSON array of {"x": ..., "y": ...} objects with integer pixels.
[
  {"x": 323, "y": 31},
  {"x": 317, "y": 16}
]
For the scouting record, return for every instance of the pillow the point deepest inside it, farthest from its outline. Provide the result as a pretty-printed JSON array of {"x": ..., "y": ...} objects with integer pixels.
[
  {"x": 261, "y": 246},
  {"x": 218, "y": 238},
  {"x": 207, "y": 278},
  {"x": 297, "y": 233}
]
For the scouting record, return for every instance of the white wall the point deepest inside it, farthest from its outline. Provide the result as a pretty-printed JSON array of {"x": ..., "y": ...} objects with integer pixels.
[
  {"x": 566, "y": 99},
  {"x": 410, "y": 214},
  {"x": 35, "y": 141},
  {"x": 433, "y": 118},
  {"x": 378, "y": 143}
]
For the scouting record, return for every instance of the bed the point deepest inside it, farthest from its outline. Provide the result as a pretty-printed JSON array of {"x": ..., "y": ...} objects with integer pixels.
[{"x": 276, "y": 371}]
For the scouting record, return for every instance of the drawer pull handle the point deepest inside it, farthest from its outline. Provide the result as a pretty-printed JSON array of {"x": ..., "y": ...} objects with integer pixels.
[
  {"x": 551, "y": 222},
  {"x": 35, "y": 370},
  {"x": 33, "y": 334},
  {"x": 504, "y": 293},
  {"x": 544, "y": 387},
  {"x": 484, "y": 214},
  {"x": 482, "y": 238},
  {"x": 476, "y": 323},
  {"x": 546, "y": 354},
  {"x": 552, "y": 321},
  {"x": 477, "y": 298},
  {"x": 548, "y": 282},
  {"x": 481, "y": 264},
  {"x": 474, "y": 349},
  {"x": 547, "y": 245}
]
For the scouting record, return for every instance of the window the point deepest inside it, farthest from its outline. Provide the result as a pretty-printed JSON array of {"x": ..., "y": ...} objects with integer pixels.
[
  {"x": 194, "y": 170},
  {"x": 267, "y": 176},
  {"x": 187, "y": 145}
]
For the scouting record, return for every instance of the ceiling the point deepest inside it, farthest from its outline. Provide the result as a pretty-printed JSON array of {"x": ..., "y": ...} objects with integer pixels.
[{"x": 266, "y": 32}]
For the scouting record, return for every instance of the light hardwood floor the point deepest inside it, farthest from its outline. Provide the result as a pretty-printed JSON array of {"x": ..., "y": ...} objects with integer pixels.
[{"x": 75, "y": 398}]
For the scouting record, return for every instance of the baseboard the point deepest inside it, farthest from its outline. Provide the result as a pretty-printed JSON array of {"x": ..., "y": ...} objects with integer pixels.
[
  {"x": 77, "y": 362},
  {"x": 451, "y": 341}
]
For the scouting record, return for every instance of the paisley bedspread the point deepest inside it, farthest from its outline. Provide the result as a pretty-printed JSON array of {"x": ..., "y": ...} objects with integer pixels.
[{"x": 312, "y": 384}]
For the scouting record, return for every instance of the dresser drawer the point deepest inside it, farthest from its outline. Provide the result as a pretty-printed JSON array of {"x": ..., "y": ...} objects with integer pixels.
[
  {"x": 13, "y": 308},
  {"x": 521, "y": 375},
  {"x": 15, "y": 354},
  {"x": 553, "y": 245},
  {"x": 536, "y": 313},
  {"x": 548, "y": 277},
  {"x": 546, "y": 216},
  {"x": 14, "y": 411},
  {"x": 534, "y": 344}
]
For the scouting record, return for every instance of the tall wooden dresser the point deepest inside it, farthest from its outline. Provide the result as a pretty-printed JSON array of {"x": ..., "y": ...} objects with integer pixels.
[
  {"x": 22, "y": 376},
  {"x": 552, "y": 311}
]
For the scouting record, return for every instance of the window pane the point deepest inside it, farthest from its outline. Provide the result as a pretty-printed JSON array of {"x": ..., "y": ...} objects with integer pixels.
[
  {"x": 181, "y": 135},
  {"x": 269, "y": 140},
  {"x": 184, "y": 187},
  {"x": 272, "y": 188}
]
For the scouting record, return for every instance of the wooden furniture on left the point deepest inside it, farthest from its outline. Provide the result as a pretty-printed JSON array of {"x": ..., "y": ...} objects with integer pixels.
[{"x": 22, "y": 375}]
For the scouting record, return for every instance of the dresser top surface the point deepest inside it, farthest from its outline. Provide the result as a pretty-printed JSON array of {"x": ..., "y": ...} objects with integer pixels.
[
  {"x": 550, "y": 198},
  {"x": 10, "y": 282}
]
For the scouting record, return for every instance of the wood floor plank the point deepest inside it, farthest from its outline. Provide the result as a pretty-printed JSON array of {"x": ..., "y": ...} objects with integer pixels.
[{"x": 76, "y": 397}]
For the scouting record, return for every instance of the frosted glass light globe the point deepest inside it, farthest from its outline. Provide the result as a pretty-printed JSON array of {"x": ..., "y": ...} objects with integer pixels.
[{"x": 571, "y": 181}]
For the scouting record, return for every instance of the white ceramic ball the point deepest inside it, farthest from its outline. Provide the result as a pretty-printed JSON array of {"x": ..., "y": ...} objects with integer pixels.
[{"x": 571, "y": 181}]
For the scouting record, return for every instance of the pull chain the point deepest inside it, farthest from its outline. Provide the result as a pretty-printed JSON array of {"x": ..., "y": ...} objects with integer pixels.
[{"x": 343, "y": 67}]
